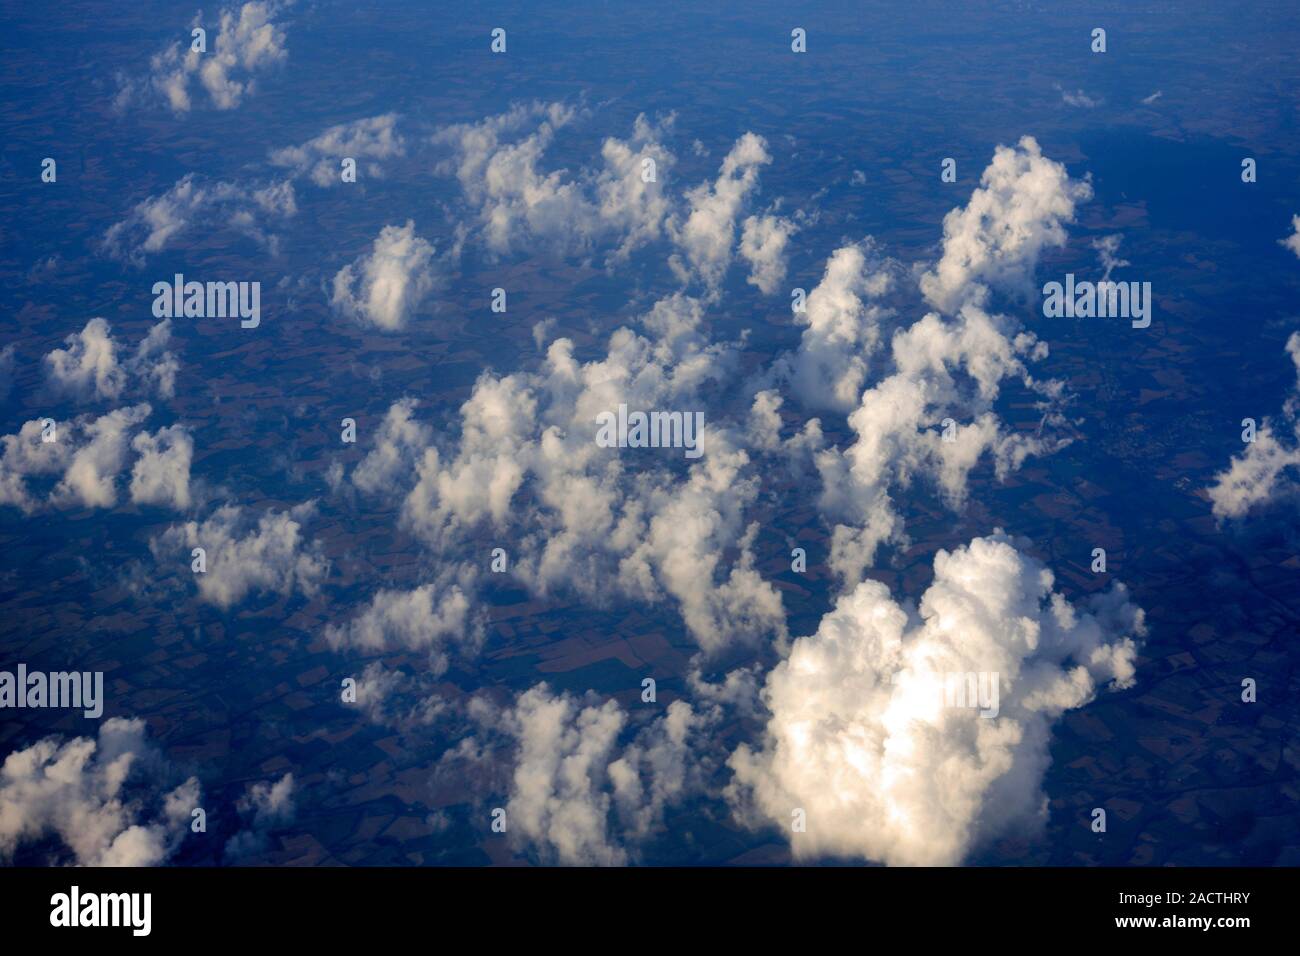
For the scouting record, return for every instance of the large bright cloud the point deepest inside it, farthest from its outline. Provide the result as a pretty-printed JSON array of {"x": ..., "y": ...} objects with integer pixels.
[
  {"x": 1020, "y": 208},
  {"x": 862, "y": 740}
]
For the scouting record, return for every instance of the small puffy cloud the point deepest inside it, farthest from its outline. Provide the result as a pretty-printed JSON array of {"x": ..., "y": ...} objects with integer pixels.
[
  {"x": 161, "y": 474},
  {"x": 1108, "y": 254},
  {"x": 155, "y": 223},
  {"x": 246, "y": 556},
  {"x": 708, "y": 233},
  {"x": 91, "y": 476},
  {"x": 1292, "y": 241},
  {"x": 89, "y": 368},
  {"x": 374, "y": 138},
  {"x": 383, "y": 289},
  {"x": 762, "y": 244},
  {"x": 25, "y": 456},
  {"x": 395, "y": 699},
  {"x": 247, "y": 42},
  {"x": 1078, "y": 99},
  {"x": 1020, "y": 209},
  {"x": 103, "y": 799},
  {"x": 578, "y": 797},
  {"x": 266, "y": 806},
  {"x": 426, "y": 619},
  {"x": 398, "y": 445},
  {"x": 1268, "y": 466},
  {"x": 843, "y": 330},
  {"x": 863, "y": 739}
]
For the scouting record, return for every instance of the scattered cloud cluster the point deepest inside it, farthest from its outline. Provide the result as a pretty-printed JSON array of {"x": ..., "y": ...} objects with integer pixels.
[
  {"x": 89, "y": 367},
  {"x": 578, "y": 795},
  {"x": 248, "y": 41},
  {"x": 102, "y": 799},
  {"x": 83, "y": 463},
  {"x": 622, "y": 202},
  {"x": 374, "y": 138},
  {"x": 156, "y": 222},
  {"x": 707, "y": 235},
  {"x": 592, "y": 524},
  {"x": 498, "y": 164},
  {"x": 246, "y": 555},
  {"x": 863, "y": 741}
]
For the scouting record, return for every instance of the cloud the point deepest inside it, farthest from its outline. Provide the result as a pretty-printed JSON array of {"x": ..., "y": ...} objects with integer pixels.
[
  {"x": 762, "y": 244},
  {"x": 266, "y": 806},
  {"x": 385, "y": 288},
  {"x": 579, "y": 798},
  {"x": 397, "y": 448},
  {"x": 1148, "y": 100},
  {"x": 373, "y": 138},
  {"x": 244, "y": 556},
  {"x": 155, "y": 223},
  {"x": 1020, "y": 208},
  {"x": 1078, "y": 99},
  {"x": 707, "y": 235},
  {"x": 248, "y": 41},
  {"x": 592, "y": 522},
  {"x": 88, "y": 454},
  {"x": 104, "y": 800},
  {"x": 1260, "y": 473},
  {"x": 161, "y": 474},
  {"x": 383, "y": 696},
  {"x": 1292, "y": 241},
  {"x": 843, "y": 330},
  {"x": 860, "y": 737},
  {"x": 931, "y": 418},
  {"x": 426, "y": 619},
  {"x": 1108, "y": 254},
  {"x": 498, "y": 163},
  {"x": 91, "y": 476},
  {"x": 925, "y": 409},
  {"x": 89, "y": 368}
]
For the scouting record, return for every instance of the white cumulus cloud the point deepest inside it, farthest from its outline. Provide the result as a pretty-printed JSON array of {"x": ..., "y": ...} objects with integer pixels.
[{"x": 862, "y": 739}]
